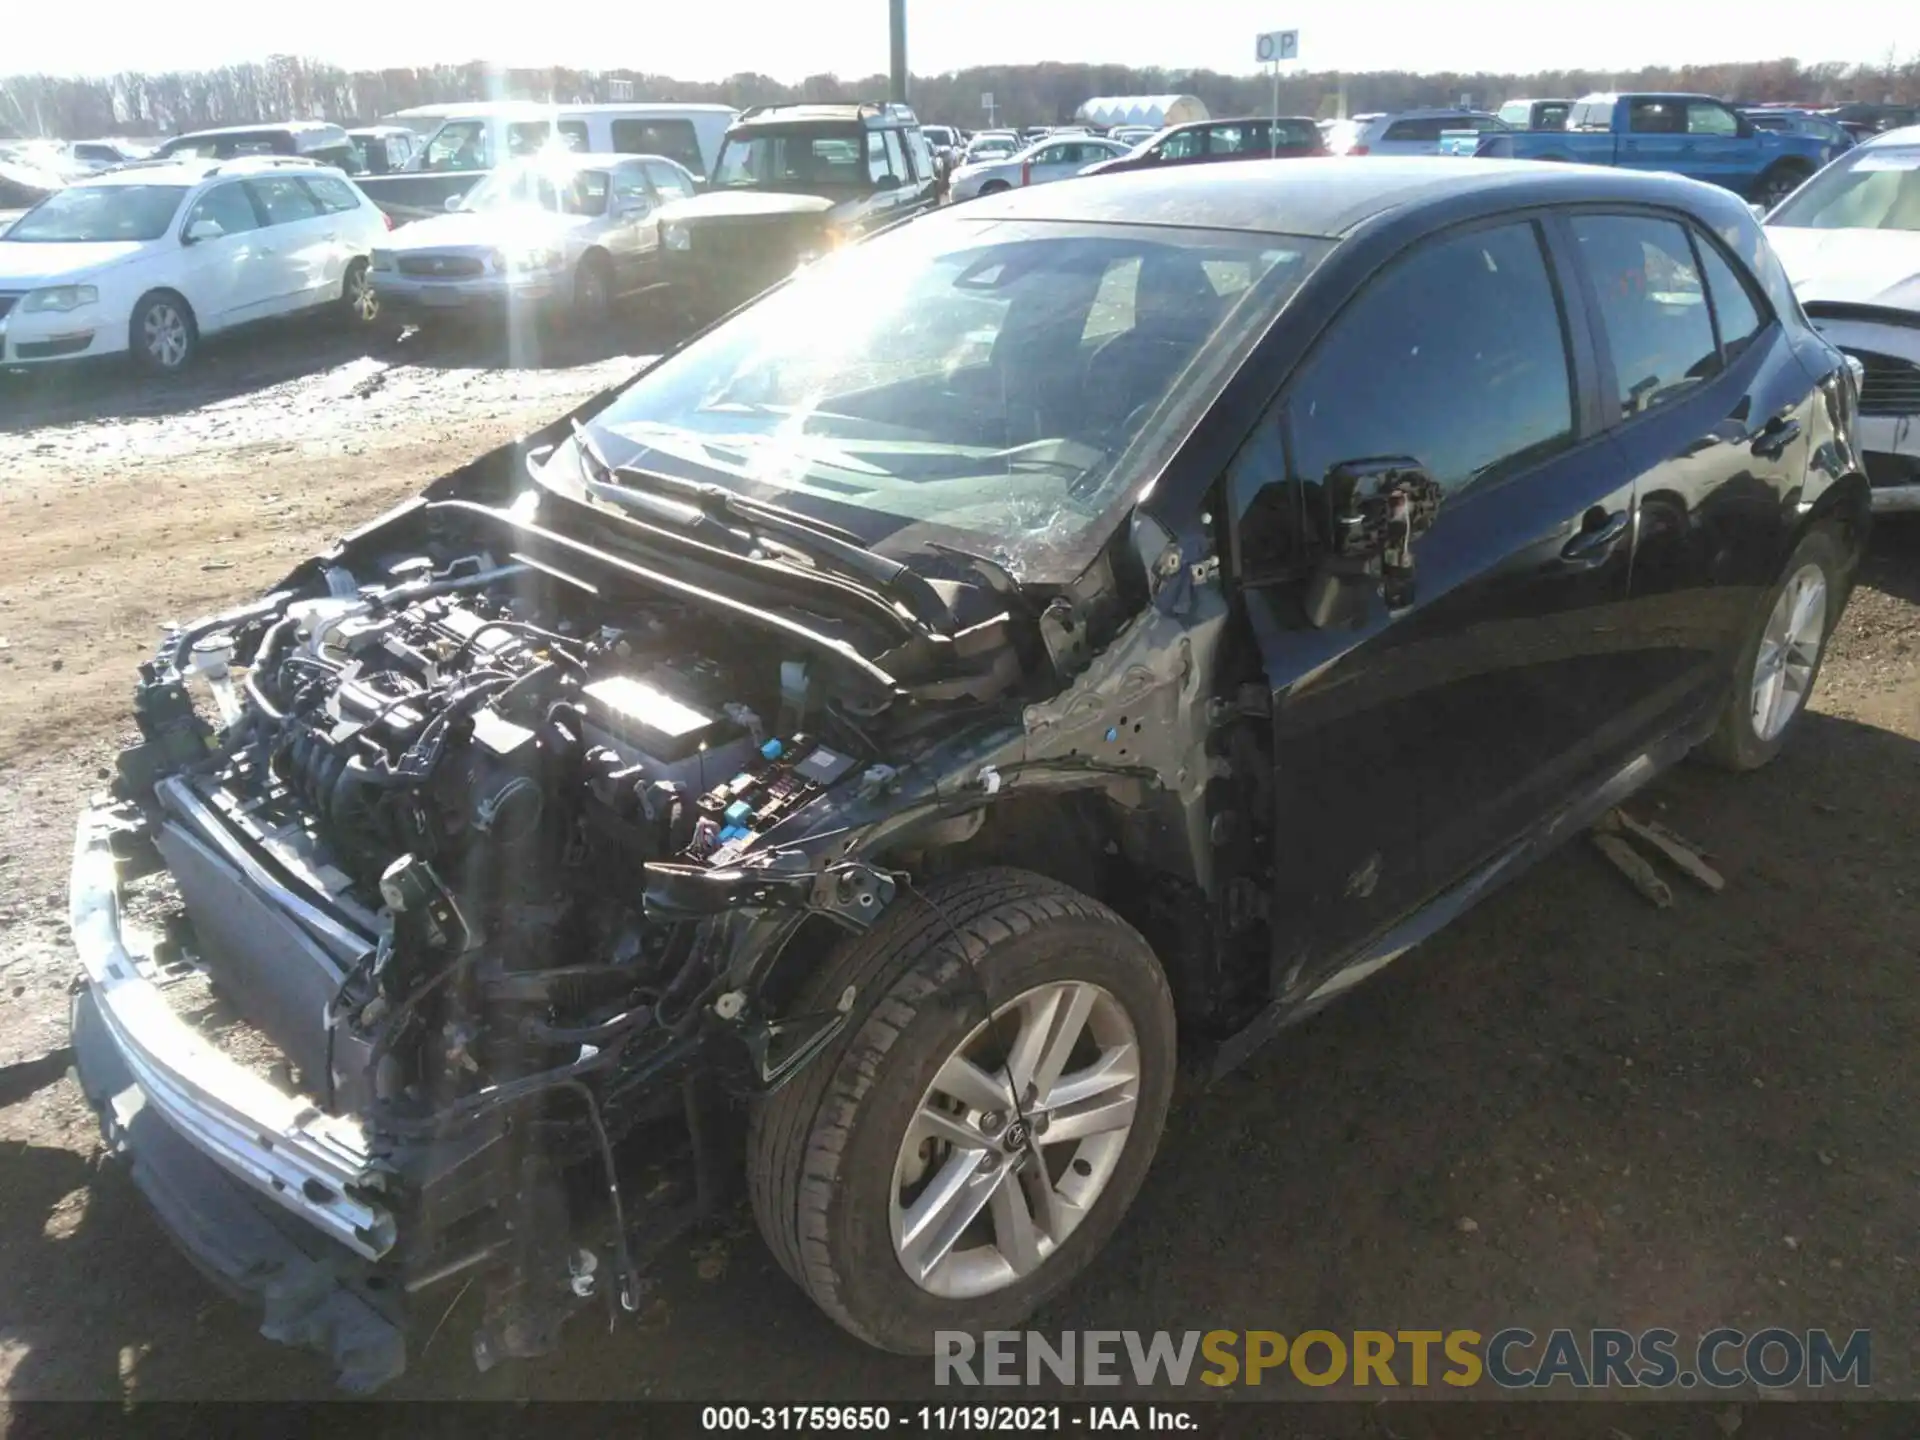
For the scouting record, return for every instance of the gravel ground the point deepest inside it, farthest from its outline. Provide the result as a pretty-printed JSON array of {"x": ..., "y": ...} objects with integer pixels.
[{"x": 1569, "y": 1110}]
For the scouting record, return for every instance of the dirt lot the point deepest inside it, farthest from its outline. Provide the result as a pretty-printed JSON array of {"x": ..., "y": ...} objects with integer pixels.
[{"x": 1571, "y": 1110}]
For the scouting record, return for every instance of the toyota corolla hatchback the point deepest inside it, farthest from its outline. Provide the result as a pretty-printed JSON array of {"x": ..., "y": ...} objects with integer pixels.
[
  {"x": 1025, "y": 651},
  {"x": 152, "y": 259}
]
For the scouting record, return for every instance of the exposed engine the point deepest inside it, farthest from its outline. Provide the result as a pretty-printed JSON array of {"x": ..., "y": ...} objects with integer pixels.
[{"x": 489, "y": 787}]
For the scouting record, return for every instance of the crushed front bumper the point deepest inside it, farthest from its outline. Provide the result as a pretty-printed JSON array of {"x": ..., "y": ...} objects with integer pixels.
[{"x": 262, "y": 1189}]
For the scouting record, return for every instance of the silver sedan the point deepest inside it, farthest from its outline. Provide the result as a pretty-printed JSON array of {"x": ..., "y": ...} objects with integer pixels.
[{"x": 1051, "y": 159}]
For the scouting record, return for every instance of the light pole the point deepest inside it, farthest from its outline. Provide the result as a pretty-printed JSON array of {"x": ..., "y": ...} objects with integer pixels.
[{"x": 897, "y": 37}]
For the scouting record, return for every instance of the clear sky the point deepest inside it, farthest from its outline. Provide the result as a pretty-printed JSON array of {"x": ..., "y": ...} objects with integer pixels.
[{"x": 792, "y": 38}]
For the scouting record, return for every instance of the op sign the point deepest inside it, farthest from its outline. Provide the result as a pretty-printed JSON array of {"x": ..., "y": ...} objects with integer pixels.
[{"x": 1278, "y": 45}]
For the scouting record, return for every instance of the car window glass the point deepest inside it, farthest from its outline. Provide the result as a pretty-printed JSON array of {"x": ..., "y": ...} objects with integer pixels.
[
  {"x": 524, "y": 137},
  {"x": 573, "y": 134},
  {"x": 1514, "y": 114},
  {"x": 1546, "y": 117},
  {"x": 672, "y": 138},
  {"x": 1656, "y": 117},
  {"x": 1112, "y": 308},
  {"x": 460, "y": 145},
  {"x": 876, "y": 157},
  {"x": 1733, "y": 305},
  {"x": 1183, "y": 146},
  {"x": 226, "y": 206},
  {"x": 669, "y": 182},
  {"x": 1704, "y": 119},
  {"x": 1414, "y": 130},
  {"x": 1455, "y": 356},
  {"x": 630, "y": 188},
  {"x": 1651, "y": 304},
  {"x": 896, "y": 157},
  {"x": 284, "y": 199},
  {"x": 1226, "y": 140},
  {"x": 334, "y": 196},
  {"x": 920, "y": 153},
  {"x": 1874, "y": 189}
]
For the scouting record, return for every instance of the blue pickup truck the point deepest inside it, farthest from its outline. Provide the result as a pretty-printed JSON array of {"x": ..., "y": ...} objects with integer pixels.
[{"x": 1692, "y": 135}]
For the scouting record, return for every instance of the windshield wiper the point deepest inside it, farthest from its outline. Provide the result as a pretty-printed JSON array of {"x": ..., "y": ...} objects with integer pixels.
[{"x": 709, "y": 502}]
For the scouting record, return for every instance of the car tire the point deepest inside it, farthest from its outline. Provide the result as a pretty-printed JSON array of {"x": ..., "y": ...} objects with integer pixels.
[
  {"x": 1780, "y": 180},
  {"x": 830, "y": 1153},
  {"x": 994, "y": 187},
  {"x": 162, "y": 336},
  {"x": 592, "y": 290},
  {"x": 359, "y": 303},
  {"x": 1779, "y": 663}
]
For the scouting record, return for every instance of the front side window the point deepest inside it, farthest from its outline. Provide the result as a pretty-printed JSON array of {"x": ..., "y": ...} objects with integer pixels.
[
  {"x": 951, "y": 380},
  {"x": 670, "y": 183},
  {"x": 1875, "y": 188},
  {"x": 1705, "y": 119},
  {"x": 225, "y": 206},
  {"x": 101, "y": 212},
  {"x": 1656, "y": 117},
  {"x": 573, "y": 135},
  {"x": 1455, "y": 357},
  {"x": 1226, "y": 140},
  {"x": 896, "y": 158},
  {"x": 1183, "y": 145},
  {"x": 527, "y": 137},
  {"x": 460, "y": 145},
  {"x": 1652, "y": 307}
]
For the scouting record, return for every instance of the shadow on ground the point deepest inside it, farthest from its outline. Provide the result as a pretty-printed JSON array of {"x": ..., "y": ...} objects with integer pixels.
[{"x": 1571, "y": 1109}]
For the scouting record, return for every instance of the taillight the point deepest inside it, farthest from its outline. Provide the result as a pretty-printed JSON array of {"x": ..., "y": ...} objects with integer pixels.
[
  {"x": 1357, "y": 150},
  {"x": 1026, "y": 173},
  {"x": 386, "y": 219}
]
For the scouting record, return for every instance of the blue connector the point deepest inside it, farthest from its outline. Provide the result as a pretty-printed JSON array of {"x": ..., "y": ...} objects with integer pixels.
[{"x": 773, "y": 750}]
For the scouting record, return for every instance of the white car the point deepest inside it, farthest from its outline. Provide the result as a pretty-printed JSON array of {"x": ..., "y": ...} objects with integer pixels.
[
  {"x": 1055, "y": 158},
  {"x": 1850, "y": 241},
  {"x": 154, "y": 258}
]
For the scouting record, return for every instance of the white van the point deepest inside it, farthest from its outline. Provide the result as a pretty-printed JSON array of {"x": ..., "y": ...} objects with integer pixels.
[{"x": 480, "y": 135}]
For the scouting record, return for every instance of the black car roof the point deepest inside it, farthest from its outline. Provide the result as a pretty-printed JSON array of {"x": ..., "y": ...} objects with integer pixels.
[{"x": 1329, "y": 197}]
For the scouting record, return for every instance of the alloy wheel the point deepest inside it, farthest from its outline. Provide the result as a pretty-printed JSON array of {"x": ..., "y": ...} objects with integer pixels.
[
  {"x": 362, "y": 301},
  {"x": 1014, "y": 1141},
  {"x": 1789, "y": 651},
  {"x": 165, "y": 333}
]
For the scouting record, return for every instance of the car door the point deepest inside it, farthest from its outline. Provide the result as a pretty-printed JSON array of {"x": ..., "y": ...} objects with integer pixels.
[
  {"x": 632, "y": 238},
  {"x": 1454, "y": 708},
  {"x": 295, "y": 241},
  {"x": 1053, "y": 162},
  {"x": 1656, "y": 136},
  {"x": 1714, "y": 149},
  {"x": 227, "y": 268},
  {"x": 344, "y": 237},
  {"x": 1712, "y": 415}
]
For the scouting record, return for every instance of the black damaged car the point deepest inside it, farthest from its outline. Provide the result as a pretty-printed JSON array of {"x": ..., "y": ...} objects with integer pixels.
[
  {"x": 793, "y": 183},
  {"x": 1030, "y": 651}
]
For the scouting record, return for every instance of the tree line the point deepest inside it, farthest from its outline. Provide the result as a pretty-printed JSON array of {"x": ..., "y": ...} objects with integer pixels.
[{"x": 292, "y": 87}]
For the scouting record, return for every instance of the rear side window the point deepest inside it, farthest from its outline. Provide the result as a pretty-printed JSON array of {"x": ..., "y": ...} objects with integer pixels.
[
  {"x": 573, "y": 134},
  {"x": 1652, "y": 306},
  {"x": 672, "y": 138},
  {"x": 334, "y": 196},
  {"x": 1734, "y": 308},
  {"x": 1414, "y": 130},
  {"x": 1455, "y": 356},
  {"x": 1182, "y": 146},
  {"x": 284, "y": 199},
  {"x": 526, "y": 137},
  {"x": 1706, "y": 119}
]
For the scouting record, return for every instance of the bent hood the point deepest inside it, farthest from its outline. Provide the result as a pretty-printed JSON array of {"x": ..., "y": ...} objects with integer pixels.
[
  {"x": 1851, "y": 267},
  {"x": 28, "y": 263},
  {"x": 716, "y": 204}
]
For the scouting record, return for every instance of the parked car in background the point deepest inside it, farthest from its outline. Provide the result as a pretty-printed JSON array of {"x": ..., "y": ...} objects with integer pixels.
[
  {"x": 1850, "y": 241},
  {"x": 1206, "y": 141},
  {"x": 470, "y": 139},
  {"x": 990, "y": 145},
  {"x": 1534, "y": 114},
  {"x": 24, "y": 184},
  {"x": 1408, "y": 132},
  {"x": 316, "y": 140},
  {"x": 1132, "y": 134},
  {"x": 382, "y": 149},
  {"x": 153, "y": 259},
  {"x": 1803, "y": 122},
  {"x": 793, "y": 183},
  {"x": 556, "y": 235},
  {"x": 1873, "y": 119},
  {"x": 836, "y": 728},
  {"x": 1692, "y": 135},
  {"x": 1054, "y": 158},
  {"x": 93, "y": 156}
]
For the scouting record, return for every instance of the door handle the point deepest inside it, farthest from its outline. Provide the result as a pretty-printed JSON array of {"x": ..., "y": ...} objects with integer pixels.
[
  {"x": 1770, "y": 441},
  {"x": 1599, "y": 530}
]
